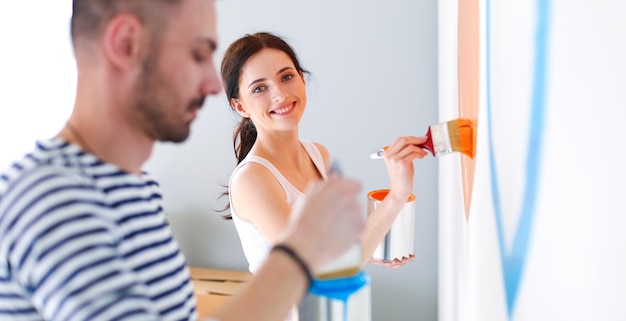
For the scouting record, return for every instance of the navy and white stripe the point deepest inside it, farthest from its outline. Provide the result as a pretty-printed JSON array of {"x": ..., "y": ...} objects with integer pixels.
[{"x": 83, "y": 240}]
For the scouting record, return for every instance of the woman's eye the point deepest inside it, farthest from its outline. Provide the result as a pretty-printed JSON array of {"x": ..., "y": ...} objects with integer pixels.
[
  {"x": 287, "y": 77},
  {"x": 258, "y": 89},
  {"x": 198, "y": 57}
]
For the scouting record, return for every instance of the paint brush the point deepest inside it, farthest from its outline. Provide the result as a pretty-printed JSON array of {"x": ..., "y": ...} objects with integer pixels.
[{"x": 445, "y": 138}]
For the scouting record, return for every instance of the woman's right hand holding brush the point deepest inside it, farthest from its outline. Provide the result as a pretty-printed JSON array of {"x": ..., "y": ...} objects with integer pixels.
[{"x": 399, "y": 158}]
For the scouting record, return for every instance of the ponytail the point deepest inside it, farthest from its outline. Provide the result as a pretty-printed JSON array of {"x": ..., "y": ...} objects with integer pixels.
[{"x": 243, "y": 140}]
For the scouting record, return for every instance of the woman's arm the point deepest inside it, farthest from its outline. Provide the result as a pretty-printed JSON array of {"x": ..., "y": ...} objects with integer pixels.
[
  {"x": 258, "y": 197},
  {"x": 399, "y": 159}
]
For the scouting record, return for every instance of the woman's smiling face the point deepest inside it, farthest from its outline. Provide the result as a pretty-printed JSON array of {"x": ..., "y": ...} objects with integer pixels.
[{"x": 271, "y": 91}]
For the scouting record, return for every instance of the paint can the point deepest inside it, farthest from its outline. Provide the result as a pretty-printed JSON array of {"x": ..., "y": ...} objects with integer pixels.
[
  {"x": 399, "y": 240},
  {"x": 340, "y": 291},
  {"x": 335, "y": 306},
  {"x": 356, "y": 308}
]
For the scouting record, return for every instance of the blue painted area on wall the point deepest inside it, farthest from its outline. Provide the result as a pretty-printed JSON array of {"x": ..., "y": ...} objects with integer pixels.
[{"x": 513, "y": 261}]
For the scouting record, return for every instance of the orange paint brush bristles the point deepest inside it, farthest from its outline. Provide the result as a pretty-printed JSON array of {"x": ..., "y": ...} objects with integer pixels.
[
  {"x": 444, "y": 138},
  {"x": 461, "y": 132}
]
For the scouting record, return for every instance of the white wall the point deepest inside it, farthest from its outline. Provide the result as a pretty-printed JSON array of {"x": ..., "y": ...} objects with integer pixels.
[
  {"x": 573, "y": 266},
  {"x": 374, "y": 77},
  {"x": 37, "y": 73}
]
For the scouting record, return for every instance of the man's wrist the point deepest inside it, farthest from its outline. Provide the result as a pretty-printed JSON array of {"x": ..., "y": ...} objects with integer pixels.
[{"x": 294, "y": 256}]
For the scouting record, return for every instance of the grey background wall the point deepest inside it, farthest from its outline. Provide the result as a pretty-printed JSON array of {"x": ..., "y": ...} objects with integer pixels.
[{"x": 374, "y": 77}]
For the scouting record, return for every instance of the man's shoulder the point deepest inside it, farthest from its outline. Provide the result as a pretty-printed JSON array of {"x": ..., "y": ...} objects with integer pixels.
[
  {"x": 37, "y": 177},
  {"x": 35, "y": 170}
]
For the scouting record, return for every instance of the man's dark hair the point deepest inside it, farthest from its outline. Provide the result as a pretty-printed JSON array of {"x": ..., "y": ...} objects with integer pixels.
[{"x": 90, "y": 16}]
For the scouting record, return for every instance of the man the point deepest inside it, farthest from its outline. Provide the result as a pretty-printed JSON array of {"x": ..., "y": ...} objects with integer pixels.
[{"x": 82, "y": 231}]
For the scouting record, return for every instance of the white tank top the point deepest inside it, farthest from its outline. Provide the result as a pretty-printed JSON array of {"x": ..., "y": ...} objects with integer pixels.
[{"x": 255, "y": 245}]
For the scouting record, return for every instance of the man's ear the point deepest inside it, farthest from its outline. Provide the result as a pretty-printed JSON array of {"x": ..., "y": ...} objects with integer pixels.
[
  {"x": 238, "y": 107},
  {"x": 125, "y": 40}
]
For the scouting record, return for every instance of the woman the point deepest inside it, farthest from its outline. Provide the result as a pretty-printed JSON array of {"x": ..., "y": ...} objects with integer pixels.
[{"x": 265, "y": 84}]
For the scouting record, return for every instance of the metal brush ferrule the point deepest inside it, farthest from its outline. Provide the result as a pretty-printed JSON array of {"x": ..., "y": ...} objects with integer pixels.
[{"x": 441, "y": 139}]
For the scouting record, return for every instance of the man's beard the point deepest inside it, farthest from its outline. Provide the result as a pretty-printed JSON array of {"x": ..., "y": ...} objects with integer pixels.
[{"x": 155, "y": 98}]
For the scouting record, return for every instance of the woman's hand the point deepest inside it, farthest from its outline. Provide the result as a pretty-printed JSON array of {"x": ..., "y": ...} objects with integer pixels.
[
  {"x": 399, "y": 158},
  {"x": 396, "y": 263}
]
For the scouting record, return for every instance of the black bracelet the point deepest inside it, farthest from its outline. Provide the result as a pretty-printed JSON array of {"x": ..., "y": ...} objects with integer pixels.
[{"x": 307, "y": 272}]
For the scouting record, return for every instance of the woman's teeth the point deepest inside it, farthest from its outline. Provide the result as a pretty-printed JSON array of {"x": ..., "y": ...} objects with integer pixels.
[{"x": 282, "y": 110}]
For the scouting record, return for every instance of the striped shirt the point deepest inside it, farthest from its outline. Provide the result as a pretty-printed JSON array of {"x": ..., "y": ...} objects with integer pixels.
[{"x": 81, "y": 239}]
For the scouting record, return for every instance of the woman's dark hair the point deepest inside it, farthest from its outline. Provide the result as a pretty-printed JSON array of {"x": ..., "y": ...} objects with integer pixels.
[{"x": 235, "y": 57}]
